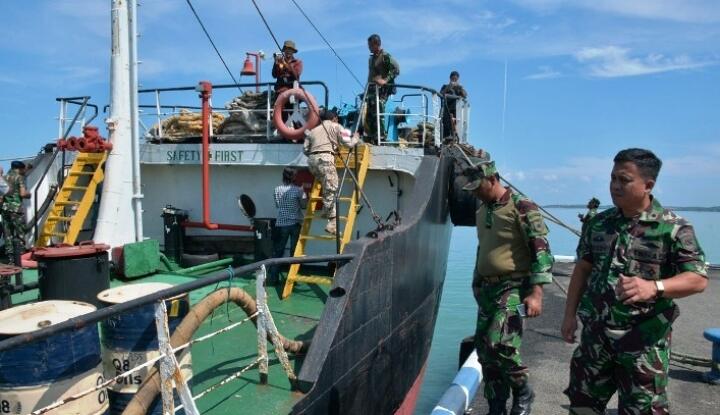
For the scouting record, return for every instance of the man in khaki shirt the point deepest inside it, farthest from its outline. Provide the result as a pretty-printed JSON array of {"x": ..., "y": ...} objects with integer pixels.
[{"x": 320, "y": 146}]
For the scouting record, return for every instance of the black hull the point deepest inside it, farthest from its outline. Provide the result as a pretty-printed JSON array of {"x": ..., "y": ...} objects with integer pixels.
[{"x": 374, "y": 338}]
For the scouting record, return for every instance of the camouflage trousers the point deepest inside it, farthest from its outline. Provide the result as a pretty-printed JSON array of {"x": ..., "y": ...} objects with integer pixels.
[
  {"x": 498, "y": 337},
  {"x": 322, "y": 166},
  {"x": 13, "y": 231},
  {"x": 633, "y": 362}
]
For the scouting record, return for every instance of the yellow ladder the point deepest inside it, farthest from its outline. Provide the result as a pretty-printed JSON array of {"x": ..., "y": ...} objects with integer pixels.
[
  {"x": 74, "y": 200},
  {"x": 347, "y": 222}
]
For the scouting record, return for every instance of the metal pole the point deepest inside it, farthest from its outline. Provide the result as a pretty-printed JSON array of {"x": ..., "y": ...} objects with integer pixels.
[
  {"x": 134, "y": 125},
  {"x": 377, "y": 113}
]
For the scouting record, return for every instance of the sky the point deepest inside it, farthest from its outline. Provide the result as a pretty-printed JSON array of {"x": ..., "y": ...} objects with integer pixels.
[{"x": 557, "y": 87}]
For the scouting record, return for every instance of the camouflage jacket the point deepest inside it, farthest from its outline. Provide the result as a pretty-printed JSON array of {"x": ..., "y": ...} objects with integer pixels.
[
  {"x": 533, "y": 230},
  {"x": 384, "y": 66},
  {"x": 655, "y": 245},
  {"x": 12, "y": 202}
]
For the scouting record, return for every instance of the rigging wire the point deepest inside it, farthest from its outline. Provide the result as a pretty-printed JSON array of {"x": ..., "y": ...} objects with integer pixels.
[
  {"x": 376, "y": 218},
  {"x": 197, "y": 17},
  {"x": 328, "y": 44}
]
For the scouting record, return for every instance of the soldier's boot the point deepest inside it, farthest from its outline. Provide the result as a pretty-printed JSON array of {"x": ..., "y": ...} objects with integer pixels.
[
  {"x": 497, "y": 407},
  {"x": 331, "y": 227},
  {"x": 523, "y": 398}
]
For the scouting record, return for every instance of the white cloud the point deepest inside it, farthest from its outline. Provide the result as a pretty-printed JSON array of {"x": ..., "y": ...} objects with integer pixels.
[
  {"x": 544, "y": 72},
  {"x": 613, "y": 62},
  {"x": 689, "y": 11}
]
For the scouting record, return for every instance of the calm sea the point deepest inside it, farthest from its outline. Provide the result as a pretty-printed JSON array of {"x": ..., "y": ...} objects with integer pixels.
[{"x": 456, "y": 317}]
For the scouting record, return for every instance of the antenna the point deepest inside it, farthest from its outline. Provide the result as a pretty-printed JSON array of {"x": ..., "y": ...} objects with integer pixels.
[{"x": 504, "y": 100}]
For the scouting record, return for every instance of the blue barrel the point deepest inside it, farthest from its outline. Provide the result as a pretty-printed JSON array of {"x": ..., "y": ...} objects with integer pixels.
[
  {"x": 37, "y": 374},
  {"x": 130, "y": 339}
]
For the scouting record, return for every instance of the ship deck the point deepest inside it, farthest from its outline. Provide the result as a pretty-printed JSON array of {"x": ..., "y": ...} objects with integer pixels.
[
  {"x": 548, "y": 356},
  {"x": 230, "y": 352}
]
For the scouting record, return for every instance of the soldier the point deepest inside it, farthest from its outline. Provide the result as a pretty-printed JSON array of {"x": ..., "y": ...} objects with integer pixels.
[
  {"x": 382, "y": 71},
  {"x": 449, "y": 93},
  {"x": 592, "y": 208},
  {"x": 513, "y": 263},
  {"x": 320, "y": 146},
  {"x": 12, "y": 214},
  {"x": 633, "y": 260}
]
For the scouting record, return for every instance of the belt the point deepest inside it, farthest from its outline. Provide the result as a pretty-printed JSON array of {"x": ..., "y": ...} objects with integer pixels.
[
  {"x": 494, "y": 279},
  {"x": 321, "y": 152}
]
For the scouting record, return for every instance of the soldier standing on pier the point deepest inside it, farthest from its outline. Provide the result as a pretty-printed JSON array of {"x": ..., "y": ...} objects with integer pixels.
[
  {"x": 513, "y": 263},
  {"x": 633, "y": 259}
]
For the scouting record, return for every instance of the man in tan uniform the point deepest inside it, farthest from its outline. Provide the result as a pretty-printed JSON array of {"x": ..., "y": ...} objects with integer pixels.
[{"x": 320, "y": 146}]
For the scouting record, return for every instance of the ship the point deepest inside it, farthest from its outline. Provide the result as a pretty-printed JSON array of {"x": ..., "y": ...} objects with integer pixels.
[{"x": 181, "y": 222}]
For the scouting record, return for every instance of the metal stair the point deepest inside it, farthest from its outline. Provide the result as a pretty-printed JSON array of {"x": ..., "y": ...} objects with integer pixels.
[
  {"x": 74, "y": 199},
  {"x": 358, "y": 160}
]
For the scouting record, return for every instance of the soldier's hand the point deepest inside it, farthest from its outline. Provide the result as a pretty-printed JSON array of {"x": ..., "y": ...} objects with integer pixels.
[
  {"x": 631, "y": 290},
  {"x": 533, "y": 302},
  {"x": 568, "y": 328}
]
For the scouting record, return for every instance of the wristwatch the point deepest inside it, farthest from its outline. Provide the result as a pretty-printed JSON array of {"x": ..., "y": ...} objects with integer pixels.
[{"x": 660, "y": 289}]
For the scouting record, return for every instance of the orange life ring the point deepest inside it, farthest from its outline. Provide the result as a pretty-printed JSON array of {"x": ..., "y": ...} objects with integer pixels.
[{"x": 311, "y": 120}]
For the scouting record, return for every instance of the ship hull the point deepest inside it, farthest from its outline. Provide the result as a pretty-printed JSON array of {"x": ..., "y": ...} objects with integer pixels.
[{"x": 374, "y": 336}]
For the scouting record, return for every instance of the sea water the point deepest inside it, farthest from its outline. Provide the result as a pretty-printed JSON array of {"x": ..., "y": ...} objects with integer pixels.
[{"x": 458, "y": 311}]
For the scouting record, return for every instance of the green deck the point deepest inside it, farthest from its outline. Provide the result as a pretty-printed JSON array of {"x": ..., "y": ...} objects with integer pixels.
[{"x": 219, "y": 357}]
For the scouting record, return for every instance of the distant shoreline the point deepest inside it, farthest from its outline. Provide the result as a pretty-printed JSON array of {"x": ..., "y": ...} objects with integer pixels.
[{"x": 677, "y": 208}]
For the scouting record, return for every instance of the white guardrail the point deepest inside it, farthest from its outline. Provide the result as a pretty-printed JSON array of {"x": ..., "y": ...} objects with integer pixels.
[{"x": 462, "y": 390}]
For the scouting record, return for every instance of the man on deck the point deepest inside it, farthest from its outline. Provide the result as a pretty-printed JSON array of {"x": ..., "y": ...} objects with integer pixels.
[
  {"x": 289, "y": 200},
  {"x": 633, "y": 259},
  {"x": 513, "y": 263},
  {"x": 382, "y": 71},
  {"x": 13, "y": 219},
  {"x": 449, "y": 94},
  {"x": 287, "y": 68}
]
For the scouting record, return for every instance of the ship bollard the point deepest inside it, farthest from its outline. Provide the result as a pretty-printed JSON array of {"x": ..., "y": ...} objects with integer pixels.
[
  {"x": 457, "y": 398},
  {"x": 713, "y": 376}
]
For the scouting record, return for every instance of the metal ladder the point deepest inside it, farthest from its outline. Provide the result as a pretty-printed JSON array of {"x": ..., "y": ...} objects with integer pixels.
[
  {"x": 74, "y": 200},
  {"x": 357, "y": 161}
]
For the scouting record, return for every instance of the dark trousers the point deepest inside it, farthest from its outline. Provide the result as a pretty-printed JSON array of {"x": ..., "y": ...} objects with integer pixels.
[{"x": 280, "y": 239}]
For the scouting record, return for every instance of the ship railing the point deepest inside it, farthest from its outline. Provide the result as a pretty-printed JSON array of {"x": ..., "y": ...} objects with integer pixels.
[
  {"x": 460, "y": 126},
  {"x": 169, "y": 368},
  {"x": 417, "y": 105},
  {"x": 66, "y": 125},
  {"x": 156, "y": 108}
]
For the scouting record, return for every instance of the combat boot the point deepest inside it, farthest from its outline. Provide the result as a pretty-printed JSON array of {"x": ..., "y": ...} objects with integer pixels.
[
  {"x": 331, "y": 227},
  {"x": 523, "y": 398},
  {"x": 497, "y": 407}
]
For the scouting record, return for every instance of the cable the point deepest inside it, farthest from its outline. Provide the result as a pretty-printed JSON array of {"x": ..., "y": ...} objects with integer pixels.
[
  {"x": 377, "y": 218},
  {"x": 213, "y": 45},
  {"x": 327, "y": 43}
]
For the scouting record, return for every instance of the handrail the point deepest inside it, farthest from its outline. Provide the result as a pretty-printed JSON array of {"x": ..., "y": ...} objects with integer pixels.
[
  {"x": 225, "y": 86},
  {"x": 116, "y": 309},
  {"x": 54, "y": 156}
]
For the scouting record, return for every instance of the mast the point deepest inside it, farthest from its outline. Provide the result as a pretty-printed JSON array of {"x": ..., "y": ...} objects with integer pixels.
[{"x": 120, "y": 208}]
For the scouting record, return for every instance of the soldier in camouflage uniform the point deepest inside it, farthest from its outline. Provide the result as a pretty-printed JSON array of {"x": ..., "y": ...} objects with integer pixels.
[
  {"x": 592, "y": 207},
  {"x": 633, "y": 259},
  {"x": 513, "y": 263},
  {"x": 382, "y": 71},
  {"x": 320, "y": 146},
  {"x": 13, "y": 219}
]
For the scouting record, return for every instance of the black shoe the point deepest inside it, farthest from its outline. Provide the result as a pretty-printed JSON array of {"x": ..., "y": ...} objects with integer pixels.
[
  {"x": 497, "y": 407},
  {"x": 523, "y": 398}
]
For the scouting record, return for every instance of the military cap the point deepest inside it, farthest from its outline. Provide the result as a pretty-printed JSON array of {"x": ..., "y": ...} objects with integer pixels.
[{"x": 480, "y": 171}]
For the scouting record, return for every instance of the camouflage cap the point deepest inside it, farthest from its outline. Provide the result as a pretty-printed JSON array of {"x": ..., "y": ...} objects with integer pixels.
[{"x": 480, "y": 171}]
